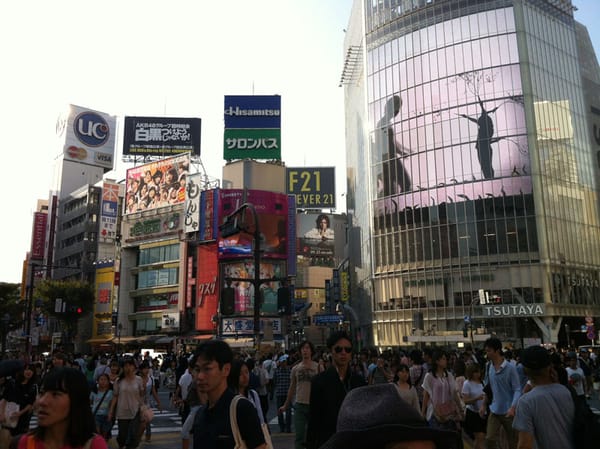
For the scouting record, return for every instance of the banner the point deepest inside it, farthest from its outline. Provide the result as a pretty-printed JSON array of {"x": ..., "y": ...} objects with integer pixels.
[{"x": 161, "y": 136}]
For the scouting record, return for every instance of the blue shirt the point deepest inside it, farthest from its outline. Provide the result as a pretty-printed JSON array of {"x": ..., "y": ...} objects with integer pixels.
[{"x": 505, "y": 385}]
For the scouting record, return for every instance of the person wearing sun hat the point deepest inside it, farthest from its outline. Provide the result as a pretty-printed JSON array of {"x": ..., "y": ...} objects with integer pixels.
[
  {"x": 544, "y": 416},
  {"x": 376, "y": 417}
]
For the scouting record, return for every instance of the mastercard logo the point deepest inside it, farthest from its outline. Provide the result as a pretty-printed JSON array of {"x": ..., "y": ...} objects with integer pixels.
[{"x": 76, "y": 152}]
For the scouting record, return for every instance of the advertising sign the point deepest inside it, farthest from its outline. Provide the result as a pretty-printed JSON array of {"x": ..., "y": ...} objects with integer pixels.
[
  {"x": 252, "y": 127},
  {"x": 206, "y": 277},
  {"x": 38, "y": 240},
  {"x": 161, "y": 136},
  {"x": 233, "y": 327},
  {"x": 252, "y": 143},
  {"x": 192, "y": 203},
  {"x": 252, "y": 111},
  {"x": 271, "y": 209},
  {"x": 208, "y": 215},
  {"x": 89, "y": 136},
  {"x": 316, "y": 239},
  {"x": 108, "y": 212},
  {"x": 241, "y": 276},
  {"x": 157, "y": 184},
  {"x": 313, "y": 187},
  {"x": 454, "y": 130},
  {"x": 103, "y": 302}
]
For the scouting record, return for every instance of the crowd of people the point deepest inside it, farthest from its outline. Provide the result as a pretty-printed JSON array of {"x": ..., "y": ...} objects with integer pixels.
[{"x": 432, "y": 398}]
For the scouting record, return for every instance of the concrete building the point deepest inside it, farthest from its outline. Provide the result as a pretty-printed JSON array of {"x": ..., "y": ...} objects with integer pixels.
[{"x": 475, "y": 124}]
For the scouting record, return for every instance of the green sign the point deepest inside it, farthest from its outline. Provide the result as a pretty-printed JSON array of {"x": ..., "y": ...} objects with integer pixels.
[{"x": 252, "y": 144}]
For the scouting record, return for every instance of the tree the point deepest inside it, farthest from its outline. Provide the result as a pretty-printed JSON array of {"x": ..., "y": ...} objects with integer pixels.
[
  {"x": 11, "y": 305},
  {"x": 78, "y": 295}
]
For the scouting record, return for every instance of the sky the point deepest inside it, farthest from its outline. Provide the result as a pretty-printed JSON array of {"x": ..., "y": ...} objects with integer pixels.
[{"x": 176, "y": 59}]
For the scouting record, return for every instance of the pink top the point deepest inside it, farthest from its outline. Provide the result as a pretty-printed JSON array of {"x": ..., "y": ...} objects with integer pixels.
[{"x": 97, "y": 443}]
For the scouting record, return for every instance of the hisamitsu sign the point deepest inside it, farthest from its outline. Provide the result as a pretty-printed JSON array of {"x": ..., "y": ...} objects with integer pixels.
[{"x": 514, "y": 310}]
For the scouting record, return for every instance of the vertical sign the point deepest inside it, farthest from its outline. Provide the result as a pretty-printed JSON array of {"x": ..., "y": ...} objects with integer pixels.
[{"x": 192, "y": 203}]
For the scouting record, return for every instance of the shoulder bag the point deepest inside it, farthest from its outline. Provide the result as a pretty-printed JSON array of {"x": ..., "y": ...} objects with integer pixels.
[{"x": 235, "y": 430}]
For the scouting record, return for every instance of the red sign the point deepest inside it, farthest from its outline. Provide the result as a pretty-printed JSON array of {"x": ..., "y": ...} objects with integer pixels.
[
  {"x": 206, "y": 280},
  {"x": 39, "y": 235}
]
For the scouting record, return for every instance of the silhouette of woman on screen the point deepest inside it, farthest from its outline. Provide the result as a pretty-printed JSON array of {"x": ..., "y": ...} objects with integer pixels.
[
  {"x": 485, "y": 139},
  {"x": 395, "y": 178}
]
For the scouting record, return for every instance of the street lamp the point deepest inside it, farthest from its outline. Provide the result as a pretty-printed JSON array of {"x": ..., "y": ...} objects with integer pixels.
[{"x": 232, "y": 227}]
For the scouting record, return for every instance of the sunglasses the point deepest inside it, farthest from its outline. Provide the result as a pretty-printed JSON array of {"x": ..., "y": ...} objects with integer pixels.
[{"x": 346, "y": 349}]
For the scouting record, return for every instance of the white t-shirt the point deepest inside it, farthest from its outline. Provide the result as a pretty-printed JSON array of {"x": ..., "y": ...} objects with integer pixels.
[
  {"x": 184, "y": 383},
  {"x": 576, "y": 378},
  {"x": 470, "y": 390}
]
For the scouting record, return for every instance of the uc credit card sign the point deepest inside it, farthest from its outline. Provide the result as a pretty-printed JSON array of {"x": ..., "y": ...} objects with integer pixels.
[{"x": 313, "y": 187}]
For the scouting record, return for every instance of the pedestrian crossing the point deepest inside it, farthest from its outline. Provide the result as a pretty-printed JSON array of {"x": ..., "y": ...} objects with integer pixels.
[{"x": 165, "y": 421}]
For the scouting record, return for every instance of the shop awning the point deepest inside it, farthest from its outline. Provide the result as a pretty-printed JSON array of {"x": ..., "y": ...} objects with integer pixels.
[
  {"x": 164, "y": 340},
  {"x": 125, "y": 340},
  {"x": 239, "y": 342},
  {"x": 99, "y": 341}
]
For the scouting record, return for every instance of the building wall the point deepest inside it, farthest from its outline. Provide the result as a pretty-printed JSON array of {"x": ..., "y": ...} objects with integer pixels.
[{"x": 482, "y": 178}]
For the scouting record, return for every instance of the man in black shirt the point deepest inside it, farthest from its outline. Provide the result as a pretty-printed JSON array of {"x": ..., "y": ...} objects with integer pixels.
[
  {"x": 212, "y": 427},
  {"x": 328, "y": 390}
]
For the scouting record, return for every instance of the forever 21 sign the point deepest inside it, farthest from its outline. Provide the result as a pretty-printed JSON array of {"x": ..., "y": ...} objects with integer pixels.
[{"x": 313, "y": 187}]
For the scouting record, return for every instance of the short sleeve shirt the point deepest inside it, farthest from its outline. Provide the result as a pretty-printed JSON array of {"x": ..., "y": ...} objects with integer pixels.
[{"x": 214, "y": 432}]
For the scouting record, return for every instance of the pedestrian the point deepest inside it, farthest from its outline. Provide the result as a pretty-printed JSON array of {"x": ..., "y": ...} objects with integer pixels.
[
  {"x": 211, "y": 365},
  {"x": 239, "y": 382},
  {"x": 64, "y": 415},
  {"x": 100, "y": 399},
  {"x": 545, "y": 416},
  {"x": 259, "y": 372},
  {"x": 407, "y": 392},
  {"x": 22, "y": 390},
  {"x": 576, "y": 374},
  {"x": 128, "y": 394},
  {"x": 329, "y": 389},
  {"x": 376, "y": 417},
  {"x": 441, "y": 402},
  {"x": 282, "y": 382},
  {"x": 472, "y": 395},
  {"x": 300, "y": 383},
  {"x": 149, "y": 393},
  {"x": 506, "y": 390}
]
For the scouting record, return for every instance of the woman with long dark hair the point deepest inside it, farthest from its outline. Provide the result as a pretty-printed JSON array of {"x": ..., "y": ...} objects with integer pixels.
[
  {"x": 441, "y": 402},
  {"x": 407, "y": 392},
  {"x": 238, "y": 381},
  {"x": 64, "y": 415}
]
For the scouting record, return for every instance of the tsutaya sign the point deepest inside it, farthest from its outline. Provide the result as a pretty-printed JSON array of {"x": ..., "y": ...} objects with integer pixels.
[{"x": 512, "y": 310}]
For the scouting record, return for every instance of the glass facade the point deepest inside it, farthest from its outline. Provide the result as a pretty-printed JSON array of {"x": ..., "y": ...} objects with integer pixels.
[{"x": 483, "y": 185}]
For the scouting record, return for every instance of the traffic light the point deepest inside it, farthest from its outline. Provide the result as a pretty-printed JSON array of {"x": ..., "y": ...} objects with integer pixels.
[
  {"x": 228, "y": 299},
  {"x": 78, "y": 310},
  {"x": 284, "y": 304},
  {"x": 465, "y": 331}
]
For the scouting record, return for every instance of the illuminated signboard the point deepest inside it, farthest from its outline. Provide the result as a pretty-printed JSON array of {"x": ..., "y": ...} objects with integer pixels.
[{"x": 313, "y": 187}]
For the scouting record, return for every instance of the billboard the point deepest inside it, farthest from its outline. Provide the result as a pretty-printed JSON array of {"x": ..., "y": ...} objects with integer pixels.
[
  {"x": 208, "y": 215},
  {"x": 206, "y": 286},
  {"x": 316, "y": 239},
  {"x": 271, "y": 209},
  {"x": 451, "y": 127},
  {"x": 313, "y": 187},
  {"x": 252, "y": 127},
  {"x": 38, "y": 240},
  {"x": 108, "y": 213},
  {"x": 161, "y": 136},
  {"x": 104, "y": 285},
  {"x": 157, "y": 184},
  {"x": 239, "y": 276},
  {"x": 89, "y": 136}
]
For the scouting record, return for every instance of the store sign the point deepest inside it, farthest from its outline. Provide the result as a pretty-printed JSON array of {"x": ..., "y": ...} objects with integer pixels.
[
  {"x": 232, "y": 327},
  {"x": 313, "y": 187},
  {"x": 514, "y": 310}
]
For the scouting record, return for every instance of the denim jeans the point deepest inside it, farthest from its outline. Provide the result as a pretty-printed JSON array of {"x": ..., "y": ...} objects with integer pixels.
[
  {"x": 300, "y": 424},
  {"x": 284, "y": 419}
]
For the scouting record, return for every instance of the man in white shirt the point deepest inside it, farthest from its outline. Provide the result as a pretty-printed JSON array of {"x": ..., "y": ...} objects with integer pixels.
[
  {"x": 181, "y": 394},
  {"x": 575, "y": 373}
]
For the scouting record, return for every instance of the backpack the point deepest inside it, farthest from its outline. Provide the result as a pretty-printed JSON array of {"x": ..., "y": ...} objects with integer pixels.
[{"x": 586, "y": 427}]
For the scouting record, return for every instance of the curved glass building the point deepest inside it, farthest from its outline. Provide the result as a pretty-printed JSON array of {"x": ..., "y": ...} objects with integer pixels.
[{"x": 473, "y": 170}]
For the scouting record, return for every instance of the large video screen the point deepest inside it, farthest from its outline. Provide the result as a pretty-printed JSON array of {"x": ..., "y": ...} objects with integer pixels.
[{"x": 449, "y": 120}]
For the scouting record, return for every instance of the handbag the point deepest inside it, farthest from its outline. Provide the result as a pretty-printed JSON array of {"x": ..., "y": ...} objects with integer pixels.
[
  {"x": 235, "y": 430},
  {"x": 146, "y": 413},
  {"x": 11, "y": 407},
  {"x": 445, "y": 411}
]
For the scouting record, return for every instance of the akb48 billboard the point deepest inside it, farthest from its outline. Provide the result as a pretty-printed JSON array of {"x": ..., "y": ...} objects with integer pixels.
[{"x": 89, "y": 136}]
